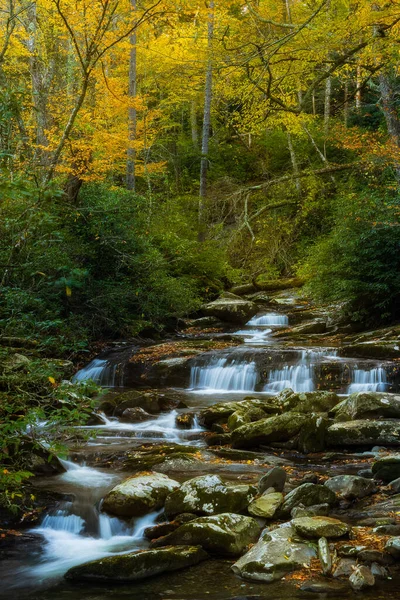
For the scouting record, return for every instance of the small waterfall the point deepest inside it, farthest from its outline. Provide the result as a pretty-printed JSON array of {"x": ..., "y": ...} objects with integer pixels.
[
  {"x": 61, "y": 520},
  {"x": 372, "y": 380},
  {"x": 219, "y": 375},
  {"x": 102, "y": 372},
  {"x": 298, "y": 377},
  {"x": 269, "y": 319}
]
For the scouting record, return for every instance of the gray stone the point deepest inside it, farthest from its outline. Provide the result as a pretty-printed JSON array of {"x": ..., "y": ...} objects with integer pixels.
[
  {"x": 392, "y": 547},
  {"x": 345, "y": 567},
  {"x": 324, "y": 556},
  {"x": 135, "y": 415},
  {"x": 137, "y": 565},
  {"x": 275, "y": 555},
  {"x": 378, "y": 571},
  {"x": 364, "y": 433},
  {"x": 226, "y": 534},
  {"x": 280, "y": 428},
  {"x": 308, "y": 494},
  {"x": 351, "y": 487},
  {"x": 368, "y": 405},
  {"x": 395, "y": 485},
  {"x": 329, "y": 588},
  {"x": 393, "y": 530},
  {"x": 208, "y": 495},
  {"x": 387, "y": 468},
  {"x": 232, "y": 310},
  {"x": 361, "y": 579},
  {"x": 315, "y": 527},
  {"x": 275, "y": 478},
  {"x": 318, "y": 510},
  {"x": 266, "y": 505},
  {"x": 139, "y": 494}
]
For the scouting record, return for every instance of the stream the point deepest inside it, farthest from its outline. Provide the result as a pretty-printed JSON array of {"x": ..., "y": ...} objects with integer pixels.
[{"x": 77, "y": 531}]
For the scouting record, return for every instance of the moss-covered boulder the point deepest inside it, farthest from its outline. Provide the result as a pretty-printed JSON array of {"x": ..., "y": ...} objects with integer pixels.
[
  {"x": 280, "y": 428},
  {"x": 312, "y": 436},
  {"x": 276, "y": 554},
  {"x": 232, "y": 310},
  {"x": 387, "y": 468},
  {"x": 368, "y": 405},
  {"x": 209, "y": 495},
  {"x": 310, "y": 402},
  {"x": 351, "y": 487},
  {"x": 364, "y": 433},
  {"x": 220, "y": 412},
  {"x": 316, "y": 527},
  {"x": 242, "y": 416},
  {"x": 139, "y": 495},
  {"x": 275, "y": 478},
  {"x": 137, "y": 565},
  {"x": 226, "y": 534},
  {"x": 307, "y": 494},
  {"x": 266, "y": 505}
]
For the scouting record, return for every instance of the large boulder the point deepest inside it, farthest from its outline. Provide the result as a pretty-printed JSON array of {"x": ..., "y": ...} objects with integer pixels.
[
  {"x": 309, "y": 402},
  {"x": 221, "y": 411},
  {"x": 139, "y": 495},
  {"x": 316, "y": 527},
  {"x": 307, "y": 494},
  {"x": 351, "y": 487},
  {"x": 243, "y": 416},
  {"x": 232, "y": 310},
  {"x": 280, "y": 428},
  {"x": 226, "y": 534},
  {"x": 275, "y": 555},
  {"x": 209, "y": 495},
  {"x": 368, "y": 405},
  {"x": 137, "y": 565},
  {"x": 275, "y": 478},
  {"x": 364, "y": 433},
  {"x": 312, "y": 436},
  {"x": 152, "y": 402},
  {"x": 392, "y": 547},
  {"x": 387, "y": 468}
]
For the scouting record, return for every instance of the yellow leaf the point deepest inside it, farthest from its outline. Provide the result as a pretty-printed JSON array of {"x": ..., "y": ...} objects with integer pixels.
[
  {"x": 52, "y": 380},
  {"x": 68, "y": 291}
]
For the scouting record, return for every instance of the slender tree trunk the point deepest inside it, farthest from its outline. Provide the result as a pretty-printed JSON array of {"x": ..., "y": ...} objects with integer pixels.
[
  {"x": 346, "y": 104},
  {"x": 390, "y": 110},
  {"x": 294, "y": 163},
  {"x": 131, "y": 158},
  {"x": 206, "y": 123},
  {"x": 358, "y": 90},
  {"x": 327, "y": 104},
  {"x": 193, "y": 124}
]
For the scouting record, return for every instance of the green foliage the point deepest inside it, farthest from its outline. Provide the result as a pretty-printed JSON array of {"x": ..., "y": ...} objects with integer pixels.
[{"x": 358, "y": 263}]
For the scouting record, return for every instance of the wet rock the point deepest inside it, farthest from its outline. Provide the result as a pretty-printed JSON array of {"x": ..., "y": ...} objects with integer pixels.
[
  {"x": 387, "y": 468},
  {"x": 42, "y": 462},
  {"x": 274, "y": 556},
  {"x": 273, "y": 429},
  {"x": 387, "y": 530},
  {"x": 135, "y": 415},
  {"x": 206, "y": 322},
  {"x": 378, "y": 571},
  {"x": 392, "y": 547},
  {"x": 241, "y": 417},
  {"x": 266, "y": 505},
  {"x": 162, "y": 529},
  {"x": 208, "y": 495},
  {"x": 361, "y": 579},
  {"x": 185, "y": 421},
  {"x": 218, "y": 439},
  {"x": 349, "y": 551},
  {"x": 351, "y": 487},
  {"x": 232, "y": 310},
  {"x": 369, "y": 556},
  {"x": 221, "y": 411},
  {"x": 310, "y": 478},
  {"x": 368, "y": 405},
  {"x": 318, "y": 510},
  {"x": 395, "y": 485},
  {"x": 316, "y": 527},
  {"x": 364, "y": 433},
  {"x": 310, "y": 402},
  {"x": 308, "y": 494},
  {"x": 324, "y": 556},
  {"x": 148, "y": 457},
  {"x": 324, "y": 587},
  {"x": 275, "y": 478},
  {"x": 152, "y": 402},
  {"x": 139, "y": 495},
  {"x": 366, "y": 473},
  {"x": 312, "y": 436},
  {"x": 379, "y": 349},
  {"x": 345, "y": 567},
  {"x": 226, "y": 534},
  {"x": 137, "y": 565}
]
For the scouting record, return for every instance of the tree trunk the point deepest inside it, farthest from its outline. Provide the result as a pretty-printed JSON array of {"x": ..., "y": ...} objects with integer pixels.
[
  {"x": 130, "y": 164},
  {"x": 294, "y": 164},
  {"x": 206, "y": 124},
  {"x": 327, "y": 105},
  {"x": 193, "y": 124},
  {"x": 390, "y": 111}
]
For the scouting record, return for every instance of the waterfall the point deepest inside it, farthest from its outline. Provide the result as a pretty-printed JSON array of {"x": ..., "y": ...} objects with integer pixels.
[
  {"x": 298, "y": 377},
  {"x": 219, "y": 375},
  {"x": 269, "y": 319},
  {"x": 372, "y": 380},
  {"x": 102, "y": 372}
]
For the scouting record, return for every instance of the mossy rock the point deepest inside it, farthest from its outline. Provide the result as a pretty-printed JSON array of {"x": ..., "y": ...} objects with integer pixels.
[
  {"x": 364, "y": 433},
  {"x": 307, "y": 494},
  {"x": 316, "y": 527},
  {"x": 368, "y": 405},
  {"x": 280, "y": 428},
  {"x": 137, "y": 565}
]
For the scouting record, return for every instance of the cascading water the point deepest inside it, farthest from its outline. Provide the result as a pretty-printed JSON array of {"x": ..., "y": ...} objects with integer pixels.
[
  {"x": 102, "y": 372},
  {"x": 364, "y": 380},
  {"x": 221, "y": 375},
  {"x": 269, "y": 319}
]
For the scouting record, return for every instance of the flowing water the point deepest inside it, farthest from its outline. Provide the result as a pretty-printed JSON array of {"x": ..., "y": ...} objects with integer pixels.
[{"x": 77, "y": 531}]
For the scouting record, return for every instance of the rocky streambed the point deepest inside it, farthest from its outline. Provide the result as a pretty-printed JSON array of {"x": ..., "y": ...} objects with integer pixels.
[{"x": 254, "y": 456}]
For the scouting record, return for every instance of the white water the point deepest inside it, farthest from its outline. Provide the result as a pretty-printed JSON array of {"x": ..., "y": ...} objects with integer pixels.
[
  {"x": 67, "y": 541},
  {"x": 298, "y": 377},
  {"x": 219, "y": 375},
  {"x": 269, "y": 319},
  {"x": 102, "y": 372},
  {"x": 372, "y": 380}
]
